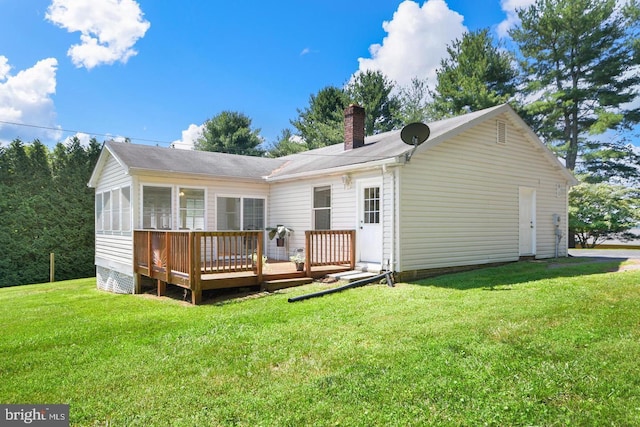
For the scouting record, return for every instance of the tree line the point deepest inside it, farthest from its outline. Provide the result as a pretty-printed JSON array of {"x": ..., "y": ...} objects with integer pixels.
[{"x": 46, "y": 207}]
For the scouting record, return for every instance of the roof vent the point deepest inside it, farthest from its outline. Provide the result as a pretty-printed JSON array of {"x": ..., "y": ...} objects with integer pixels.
[{"x": 501, "y": 132}]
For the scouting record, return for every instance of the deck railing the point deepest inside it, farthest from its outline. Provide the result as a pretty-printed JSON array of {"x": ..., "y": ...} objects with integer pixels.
[
  {"x": 191, "y": 258},
  {"x": 330, "y": 247},
  {"x": 183, "y": 257}
]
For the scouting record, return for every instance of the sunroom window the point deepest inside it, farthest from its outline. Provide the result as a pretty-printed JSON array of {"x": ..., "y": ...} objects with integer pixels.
[
  {"x": 240, "y": 213},
  {"x": 156, "y": 207},
  {"x": 191, "y": 209}
]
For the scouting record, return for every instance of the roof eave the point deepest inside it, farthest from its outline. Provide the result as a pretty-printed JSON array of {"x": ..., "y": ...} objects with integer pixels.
[
  {"x": 102, "y": 160},
  {"x": 155, "y": 172},
  {"x": 338, "y": 170}
]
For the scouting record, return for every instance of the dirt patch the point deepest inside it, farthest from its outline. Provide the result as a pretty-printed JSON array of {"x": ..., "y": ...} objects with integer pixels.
[
  {"x": 633, "y": 264},
  {"x": 623, "y": 264}
]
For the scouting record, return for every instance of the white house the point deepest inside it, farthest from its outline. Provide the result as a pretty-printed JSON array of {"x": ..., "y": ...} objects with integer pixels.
[{"x": 482, "y": 189}]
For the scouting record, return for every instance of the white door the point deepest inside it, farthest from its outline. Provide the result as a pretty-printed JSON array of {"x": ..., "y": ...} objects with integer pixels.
[
  {"x": 527, "y": 221},
  {"x": 369, "y": 232}
]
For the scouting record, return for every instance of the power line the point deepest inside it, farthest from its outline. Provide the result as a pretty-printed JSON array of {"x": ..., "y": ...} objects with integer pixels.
[
  {"x": 79, "y": 131},
  {"x": 302, "y": 153}
]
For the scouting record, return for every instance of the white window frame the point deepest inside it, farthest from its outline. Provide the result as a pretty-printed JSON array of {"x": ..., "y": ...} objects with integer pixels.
[
  {"x": 241, "y": 213},
  {"x": 172, "y": 203},
  {"x": 315, "y": 209},
  {"x": 111, "y": 215},
  {"x": 180, "y": 209}
]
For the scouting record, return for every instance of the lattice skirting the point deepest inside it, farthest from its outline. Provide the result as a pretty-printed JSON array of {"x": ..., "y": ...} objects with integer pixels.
[{"x": 113, "y": 281}]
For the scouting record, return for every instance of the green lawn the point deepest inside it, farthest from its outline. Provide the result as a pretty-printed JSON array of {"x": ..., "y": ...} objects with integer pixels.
[{"x": 523, "y": 344}]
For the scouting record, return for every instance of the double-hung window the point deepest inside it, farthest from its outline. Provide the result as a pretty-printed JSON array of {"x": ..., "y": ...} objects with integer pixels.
[{"x": 322, "y": 208}]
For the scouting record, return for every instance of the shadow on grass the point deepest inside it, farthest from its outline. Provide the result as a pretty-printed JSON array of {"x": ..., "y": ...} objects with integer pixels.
[{"x": 504, "y": 276}]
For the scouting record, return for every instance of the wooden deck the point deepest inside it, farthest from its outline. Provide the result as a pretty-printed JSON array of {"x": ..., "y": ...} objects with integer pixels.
[{"x": 227, "y": 259}]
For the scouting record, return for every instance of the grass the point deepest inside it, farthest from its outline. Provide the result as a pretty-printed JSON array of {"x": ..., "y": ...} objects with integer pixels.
[{"x": 531, "y": 343}]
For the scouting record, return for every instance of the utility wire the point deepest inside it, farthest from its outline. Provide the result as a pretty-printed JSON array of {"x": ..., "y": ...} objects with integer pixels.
[
  {"x": 302, "y": 153},
  {"x": 79, "y": 131}
]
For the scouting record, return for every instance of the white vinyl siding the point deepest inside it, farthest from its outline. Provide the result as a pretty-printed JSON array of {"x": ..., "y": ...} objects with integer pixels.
[
  {"x": 291, "y": 204},
  {"x": 459, "y": 200},
  {"x": 114, "y": 249}
]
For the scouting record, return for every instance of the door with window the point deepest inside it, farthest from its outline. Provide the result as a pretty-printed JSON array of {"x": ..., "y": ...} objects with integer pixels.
[{"x": 369, "y": 231}]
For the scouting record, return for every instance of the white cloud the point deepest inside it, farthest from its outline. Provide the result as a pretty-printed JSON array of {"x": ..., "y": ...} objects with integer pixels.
[
  {"x": 84, "y": 138},
  {"x": 509, "y": 7},
  {"x": 189, "y": 137},
  {"x": 109, "y": 29},
  {"x": 417, "y": 37},
  {"x": 25, "y": 98}
]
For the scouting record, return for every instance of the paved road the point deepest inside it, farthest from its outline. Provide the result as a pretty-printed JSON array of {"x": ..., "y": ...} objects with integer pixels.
[{"x": 606, "y": 253}]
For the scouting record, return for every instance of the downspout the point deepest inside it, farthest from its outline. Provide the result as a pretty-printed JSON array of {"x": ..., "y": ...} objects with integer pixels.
[
  {"x": 391, "y": 266},
  {"x": 393, "y": 219}
]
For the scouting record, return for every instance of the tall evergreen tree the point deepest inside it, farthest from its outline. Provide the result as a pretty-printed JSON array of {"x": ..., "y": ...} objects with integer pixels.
[
  {"x": 46, "y": 207},
  {"x": 26, "y": 211},
  {"x": 287, "y": 144},
  {"x": 413, "y": 102},
  {"x": 72, "y": 166},
  {"x": 322, "y": 122},
  {"x": 477, "y": 74},
  {"x": 372, "y": 90},
  {"x": 580, "y": 60}
]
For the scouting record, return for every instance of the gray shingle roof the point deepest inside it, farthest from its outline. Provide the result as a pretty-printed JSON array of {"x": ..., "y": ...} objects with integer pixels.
[
  {"x": 149, "y": 158},
  {"x": 377, "y": 147},
  {"x": 388, "y": 145}
]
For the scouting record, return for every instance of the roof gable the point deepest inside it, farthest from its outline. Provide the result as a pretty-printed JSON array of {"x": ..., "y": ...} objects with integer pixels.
[{"x": 145, "y": 159}]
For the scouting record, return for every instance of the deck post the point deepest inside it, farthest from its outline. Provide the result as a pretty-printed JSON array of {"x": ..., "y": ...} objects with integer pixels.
[
  {"x": 307, "y": 253},
  {"x": 162, "y": 288},
  {"x": 149, "y": 254},
  {"x": 167, "y": 244},
  {"x": 194, "y": 274},
  {"x": 259, "y": 257},
  {"x": 352, "y": 264}
]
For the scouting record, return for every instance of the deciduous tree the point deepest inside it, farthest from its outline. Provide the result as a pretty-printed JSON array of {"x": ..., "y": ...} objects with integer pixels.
[{"x": 601, "y": 211}]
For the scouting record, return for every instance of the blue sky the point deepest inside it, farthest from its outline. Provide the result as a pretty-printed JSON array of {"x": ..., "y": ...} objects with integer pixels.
[{"x": 155, "y": 70}]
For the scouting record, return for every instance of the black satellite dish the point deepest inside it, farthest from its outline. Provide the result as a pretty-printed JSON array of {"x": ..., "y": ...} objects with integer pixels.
[{"x": 414, "y": 134}]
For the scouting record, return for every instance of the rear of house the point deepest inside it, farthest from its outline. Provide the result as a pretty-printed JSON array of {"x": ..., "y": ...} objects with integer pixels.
[{"x": 482, "y": 189}]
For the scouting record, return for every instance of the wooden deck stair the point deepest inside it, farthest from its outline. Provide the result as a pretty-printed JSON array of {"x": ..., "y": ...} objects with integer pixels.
[
  {"x": 352, "y": 275},
  {"x": 275, "y": 284}
]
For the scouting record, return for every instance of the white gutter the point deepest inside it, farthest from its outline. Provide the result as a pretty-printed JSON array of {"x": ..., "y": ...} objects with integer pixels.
[
  {"x": 202, "y": 176},
  {"x": 338, "y": 170}
]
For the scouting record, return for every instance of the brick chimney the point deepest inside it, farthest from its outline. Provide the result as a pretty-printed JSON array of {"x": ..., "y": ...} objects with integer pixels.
[{"x": 353, "y": 127}]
